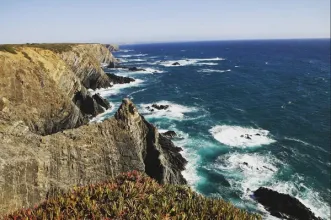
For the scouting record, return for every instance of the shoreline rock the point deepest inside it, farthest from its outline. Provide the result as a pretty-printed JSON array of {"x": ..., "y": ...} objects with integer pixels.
[
  {"x": 169, "y": 134},
  {"x": 282, "y": 205}
]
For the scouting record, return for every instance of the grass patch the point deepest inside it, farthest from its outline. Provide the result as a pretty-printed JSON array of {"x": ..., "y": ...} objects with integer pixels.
[
  {"x": 132, "y": 196},
  {"x": 57, "y": 48},
  {"x": 8, "y": 48}
]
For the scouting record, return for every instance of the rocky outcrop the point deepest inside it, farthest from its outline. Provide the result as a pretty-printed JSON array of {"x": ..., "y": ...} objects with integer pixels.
[
  {"x": 45, "y": 85},
  {"x": 119, "y": 79},
  {"x": 160, "y": 107},
  {"x": 46, "y": 143},
  {"x": 282, "y": 205},
  {"x": 169, "y": 134},
  {"x": 85, "y": 61},
  {"x": 33, "y": 167}
]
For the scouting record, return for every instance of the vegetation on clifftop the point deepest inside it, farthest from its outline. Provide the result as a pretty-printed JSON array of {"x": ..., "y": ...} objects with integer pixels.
[{"x": 132, "y": 196}]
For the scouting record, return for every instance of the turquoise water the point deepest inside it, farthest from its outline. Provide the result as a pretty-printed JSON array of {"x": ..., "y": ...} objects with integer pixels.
[{"x": 276, "y": 91}]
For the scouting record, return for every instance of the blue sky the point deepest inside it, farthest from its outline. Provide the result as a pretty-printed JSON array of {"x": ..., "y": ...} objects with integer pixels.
[{"x": 129, "y": 21}]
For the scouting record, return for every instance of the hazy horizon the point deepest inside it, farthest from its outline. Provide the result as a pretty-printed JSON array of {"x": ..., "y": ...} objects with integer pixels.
[{"x": 130, "y": 22}]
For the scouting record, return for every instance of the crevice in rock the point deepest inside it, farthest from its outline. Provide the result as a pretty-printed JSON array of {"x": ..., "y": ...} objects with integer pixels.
[{"x": 153, "y": 166}]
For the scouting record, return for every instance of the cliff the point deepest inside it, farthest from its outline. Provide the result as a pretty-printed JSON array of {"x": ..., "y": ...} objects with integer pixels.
[
  {"x": 46, "y": 85},
  {"x": 45, "y": 142}
]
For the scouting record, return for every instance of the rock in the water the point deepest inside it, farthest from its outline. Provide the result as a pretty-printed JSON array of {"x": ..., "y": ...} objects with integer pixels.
[
  {"x": 160, "y": 107},
  {"x": 119, "y": 79},
  {"x": 169, "y": 134},
  {"x": 283, "y": 205},
  {"x": 136, "y": 69},
  {"x": 90, "y": 105},
  {"x": 101, "y": 101},
  {"x": 176, "y": 64},
  {"x": 111, "y": 65}
]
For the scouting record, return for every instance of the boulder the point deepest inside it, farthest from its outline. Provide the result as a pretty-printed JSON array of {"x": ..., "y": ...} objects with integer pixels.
[
  {"x": 169, "y": 134},
  {"x": 111, "y": 65},
  {"x": 176, "y": 64},
  {"x": 119, "y": 79},
  {"x": 160, "y": 107},
  {"x": 135, "y": 69},
  {"x": 101, "y": 101},
  {"x": 282, "y": 205}
]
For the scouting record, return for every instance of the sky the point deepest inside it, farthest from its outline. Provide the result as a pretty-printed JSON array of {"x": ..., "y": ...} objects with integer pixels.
[{"x": 134, "y": 21}]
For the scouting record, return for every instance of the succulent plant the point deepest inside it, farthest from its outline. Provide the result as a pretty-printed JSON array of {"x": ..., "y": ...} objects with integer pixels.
[{"x": 132, "y": 195}]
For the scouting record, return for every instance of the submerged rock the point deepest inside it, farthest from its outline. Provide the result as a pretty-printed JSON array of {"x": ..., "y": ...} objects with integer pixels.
[
  {"x": 176, "y": 64},
  {"x": 283, "y": 206}
]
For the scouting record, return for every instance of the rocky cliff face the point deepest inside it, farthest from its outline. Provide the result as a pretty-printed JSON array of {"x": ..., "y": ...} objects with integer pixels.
[
  {"x": 85, "y": 61},
  {"x": 46, "y": 144},
  {"x": 48, "y": 89},
  {"x": 33, "y": 166}
]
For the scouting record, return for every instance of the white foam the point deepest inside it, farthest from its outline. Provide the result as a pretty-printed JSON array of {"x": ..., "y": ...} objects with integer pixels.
[
  {"x": 175, "y": 111},
  {"x": 104, "y": 64},
  {"x": 213, "y": 71},
  {"x": 126, "y": 51},
  {"x": 101, "y": 117},
  {"x": 132, "y": 55},
  {"x": 190, "y": 173},
  {"x": 115, "y": 89},
  {"x": 234, "y": 136},
  {"x": 304, "y": 194},
  {"x": 236, "y": 66},
  {"x": 247, "y": 172},
  {"x": 206, "y": 64},
  {"x": 137, "y": 60},
  {"x": 185, "y": 62}
]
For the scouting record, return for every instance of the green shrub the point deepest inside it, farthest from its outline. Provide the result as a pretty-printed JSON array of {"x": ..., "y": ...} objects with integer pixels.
[
  {"x": 8, "y": 48},
  {"x": 132, "y": 196}
]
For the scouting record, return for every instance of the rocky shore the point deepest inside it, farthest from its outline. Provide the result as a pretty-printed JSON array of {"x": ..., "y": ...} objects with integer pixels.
[{"x": 46, "y": 142}]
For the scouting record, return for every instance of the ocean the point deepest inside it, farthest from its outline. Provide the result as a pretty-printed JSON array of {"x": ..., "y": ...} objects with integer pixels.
[{"x": 247, "y": 114}]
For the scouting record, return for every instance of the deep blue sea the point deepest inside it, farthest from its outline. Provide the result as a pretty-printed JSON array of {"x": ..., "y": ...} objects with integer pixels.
[{"x": 275, "y": 92}]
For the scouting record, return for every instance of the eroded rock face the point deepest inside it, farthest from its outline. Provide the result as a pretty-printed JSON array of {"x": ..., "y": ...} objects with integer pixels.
[
  {"x": 33, "y": 166},
  {"x": 85, "y": 61},
  {"x": 283, "y": 206}
]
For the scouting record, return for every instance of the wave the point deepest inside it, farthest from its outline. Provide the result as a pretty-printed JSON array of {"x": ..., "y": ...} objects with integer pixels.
[
  {"x": 304, "y": 194},
  {"x": 106, "y": 114},
  {"x": 247, "y": 172},
  {"x": 236, "y": 136},
  {"x": 213, "y": 71},
  {"x": 132, "y": 55},
  {"x": 305, "y": 143},
  {"x": 206, "y": 64},
  {"x": 174, "y": 111},
  {"x": 190, "y": 173},
  {"x": 185, "y": 62},
  {"x": 125, "y": 51},
  {"x": 116, "y": 88},
  {"x": 137, "y": 60}
]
